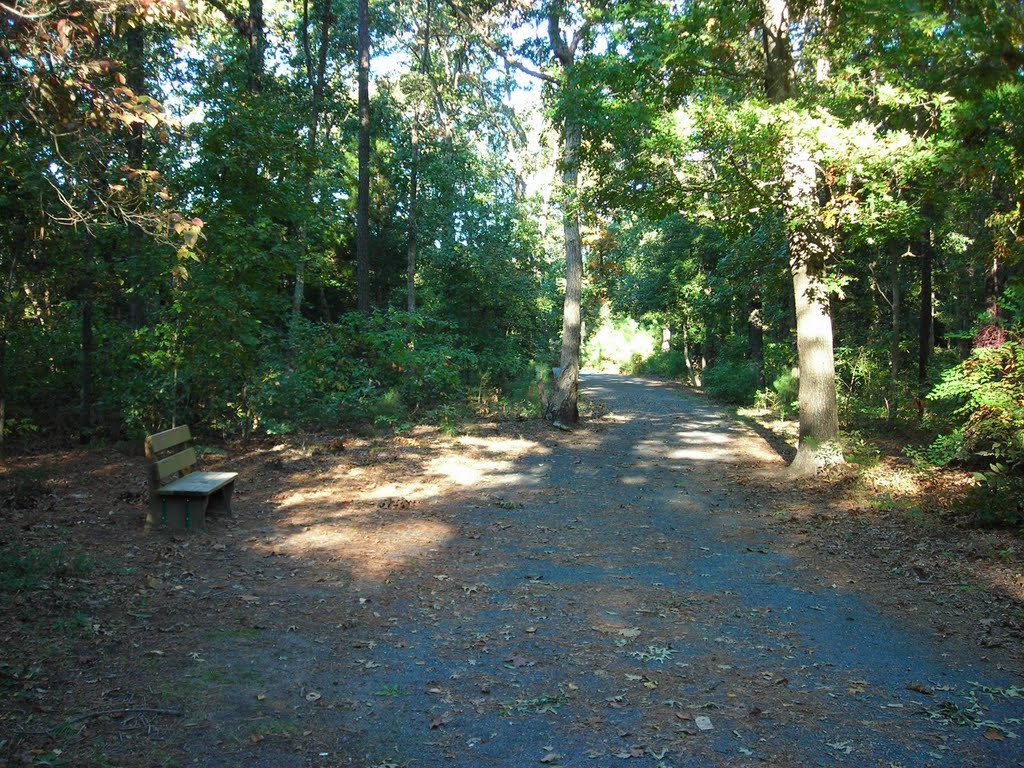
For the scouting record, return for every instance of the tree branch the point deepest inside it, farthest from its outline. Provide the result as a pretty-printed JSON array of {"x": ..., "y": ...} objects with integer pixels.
[
  {"x": 240, "y": 23},
  {"x": 495, "y": 48}
]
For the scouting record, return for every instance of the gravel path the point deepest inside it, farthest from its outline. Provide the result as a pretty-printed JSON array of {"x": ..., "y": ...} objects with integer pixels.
[{"x": 615, "y": 596}]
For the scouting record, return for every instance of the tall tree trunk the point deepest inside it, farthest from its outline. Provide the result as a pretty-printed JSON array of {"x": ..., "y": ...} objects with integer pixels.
[
  {"x": 86, "y": 370},
  {"x": 256, "y": 37},
  {"x": 690, "y": 378},
  {"x": 413, "y": 234},
  {"x": 363, "y": 191},
  {"x": 7, "y": 316},
  {"x": 755, "y": 338},
  {"x": 564, "y": 405},
  {"x": 895, "y": 361},
  {"x": 315, "y": 77},
  {"x": 414, "y": 170},
  {"x": 926, "y": 332},
  {"x": 808, "y": 251},
  {"x": 135, "y": 40}
]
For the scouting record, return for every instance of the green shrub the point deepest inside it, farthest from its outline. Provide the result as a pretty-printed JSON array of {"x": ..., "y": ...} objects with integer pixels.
[
  {"x": 734, "y": 381},
  {"x": 997, "y": 497},
  {"x": 671, "y": 364},
  {"x": 989, "y": 387},
  {"x": 787, "y": 393}
]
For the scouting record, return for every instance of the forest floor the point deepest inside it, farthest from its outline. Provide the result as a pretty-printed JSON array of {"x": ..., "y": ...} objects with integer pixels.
[{"x": 647, "y": 590}]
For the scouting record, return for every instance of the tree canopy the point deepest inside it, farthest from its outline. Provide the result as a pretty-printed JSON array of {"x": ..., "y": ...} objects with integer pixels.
[{"x": 256, "y": 215}]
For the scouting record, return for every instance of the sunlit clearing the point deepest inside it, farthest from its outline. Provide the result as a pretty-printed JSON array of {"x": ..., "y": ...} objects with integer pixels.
[
  {"x": 369, "y": 556},
  {"x": 468, "y": 471},
  {"x": 506, "y": 446}
]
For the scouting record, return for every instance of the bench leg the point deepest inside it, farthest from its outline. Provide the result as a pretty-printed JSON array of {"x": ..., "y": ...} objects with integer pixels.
[
  {"x": 220, "y": 502},
  {"x": 184, "y": 513}
]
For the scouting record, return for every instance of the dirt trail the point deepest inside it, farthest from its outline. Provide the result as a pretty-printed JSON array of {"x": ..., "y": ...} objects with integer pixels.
[{"x": 620, "y": 595}]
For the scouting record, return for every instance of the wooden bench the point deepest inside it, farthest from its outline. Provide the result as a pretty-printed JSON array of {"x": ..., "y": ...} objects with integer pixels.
[{"x": 178, "y": 497}]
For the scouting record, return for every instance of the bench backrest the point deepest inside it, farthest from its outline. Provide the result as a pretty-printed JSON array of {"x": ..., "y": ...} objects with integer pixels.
[{"x": 170, "y": 455}]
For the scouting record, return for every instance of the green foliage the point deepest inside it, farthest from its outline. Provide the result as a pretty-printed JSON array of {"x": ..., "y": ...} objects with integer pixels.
[
  {"x": 997, "y": 497},
  {"x": 732, "y": 380},
  {"x": 787, "y": 392},
  {"x": 618, "y": 344},
  {"x": 988, "y": 391},
  {"x": 669, "y": 365}
]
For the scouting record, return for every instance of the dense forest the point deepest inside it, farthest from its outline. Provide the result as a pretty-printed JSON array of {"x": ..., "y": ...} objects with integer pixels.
[{"x": 258, "y": 217}]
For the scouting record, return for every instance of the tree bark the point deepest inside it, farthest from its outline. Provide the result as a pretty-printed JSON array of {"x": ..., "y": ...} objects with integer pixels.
[
  {"x": 315, "y": 76},
  {"x": 895, "y": 361},
  {"x": 809, "y": 248},
  {"x": 7, "y": 316},
  {"x": 86, "y": 370},
  {"x": 135, "y": 41},
  {"x": 564, "y": 405},
  {"x": 413, "y": 234},
  {"x": 926, "y": 333},
  {"x": 363, "y": 191},
  {"x": 755, "y": 338},
  {"x": 255, "y": 34},
  {"x": 819, "y": 413}
]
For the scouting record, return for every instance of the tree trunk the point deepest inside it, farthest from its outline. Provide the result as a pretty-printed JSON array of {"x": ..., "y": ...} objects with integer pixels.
[
  {"x": 690, "y": 378},
  {"x": 808, "y": 251},
  {"x": 894, "y": 348},
  {"x": 410, "y": 254},
  {"x": 7, "y": 316},
  {"x": 256, "y": 38},
  {"x": 819, "y": 413},
  {"x": 363, "y": 191},
  {"x": 315, "y": 77},
  {"x": 755, "y": 338},
  {"x": 925, "y": 337},
  {"x": 564, "y": 406},
  {"x": 86, "y": 377}
]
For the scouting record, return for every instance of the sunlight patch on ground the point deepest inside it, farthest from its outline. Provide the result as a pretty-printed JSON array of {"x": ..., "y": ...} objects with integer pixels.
[
  {"x": 469, "y": 471},
  {"x": 370, "y": 555},
  {"x": 414, "y": 491},
  {"x": 704, "y": 454},
  {"x": 633, "y": 480},
  {"x": 506, "y": 446},
  {"x": 306, "y": 496},
  {"x": 700, "y": 436}
]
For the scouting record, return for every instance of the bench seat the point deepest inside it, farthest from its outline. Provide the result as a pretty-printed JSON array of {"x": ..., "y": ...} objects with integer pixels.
[
  {"x": 179, "y": 497},
  {"x": 197, "y": 483}
]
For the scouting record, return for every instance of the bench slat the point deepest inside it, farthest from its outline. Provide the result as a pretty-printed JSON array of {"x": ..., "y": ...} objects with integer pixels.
[
  {"x": 176, "y": 463},
  {"x": 162, "y": 441},
  {"x": 198, "y": 483}
]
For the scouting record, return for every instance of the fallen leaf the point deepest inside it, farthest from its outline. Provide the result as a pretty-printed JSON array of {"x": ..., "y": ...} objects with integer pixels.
[
  {"x": 551, "y": 757},
  {"x": 993, "y": 734},
  {"x": 703, "y": 723},
  {"x": 255, "y": 738},
  {"x": 920, "y": 689},
  {"x": 439, "y": 721},
  {"x": 518, "y": 661},
  {"x": 313, "y": 696}
]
